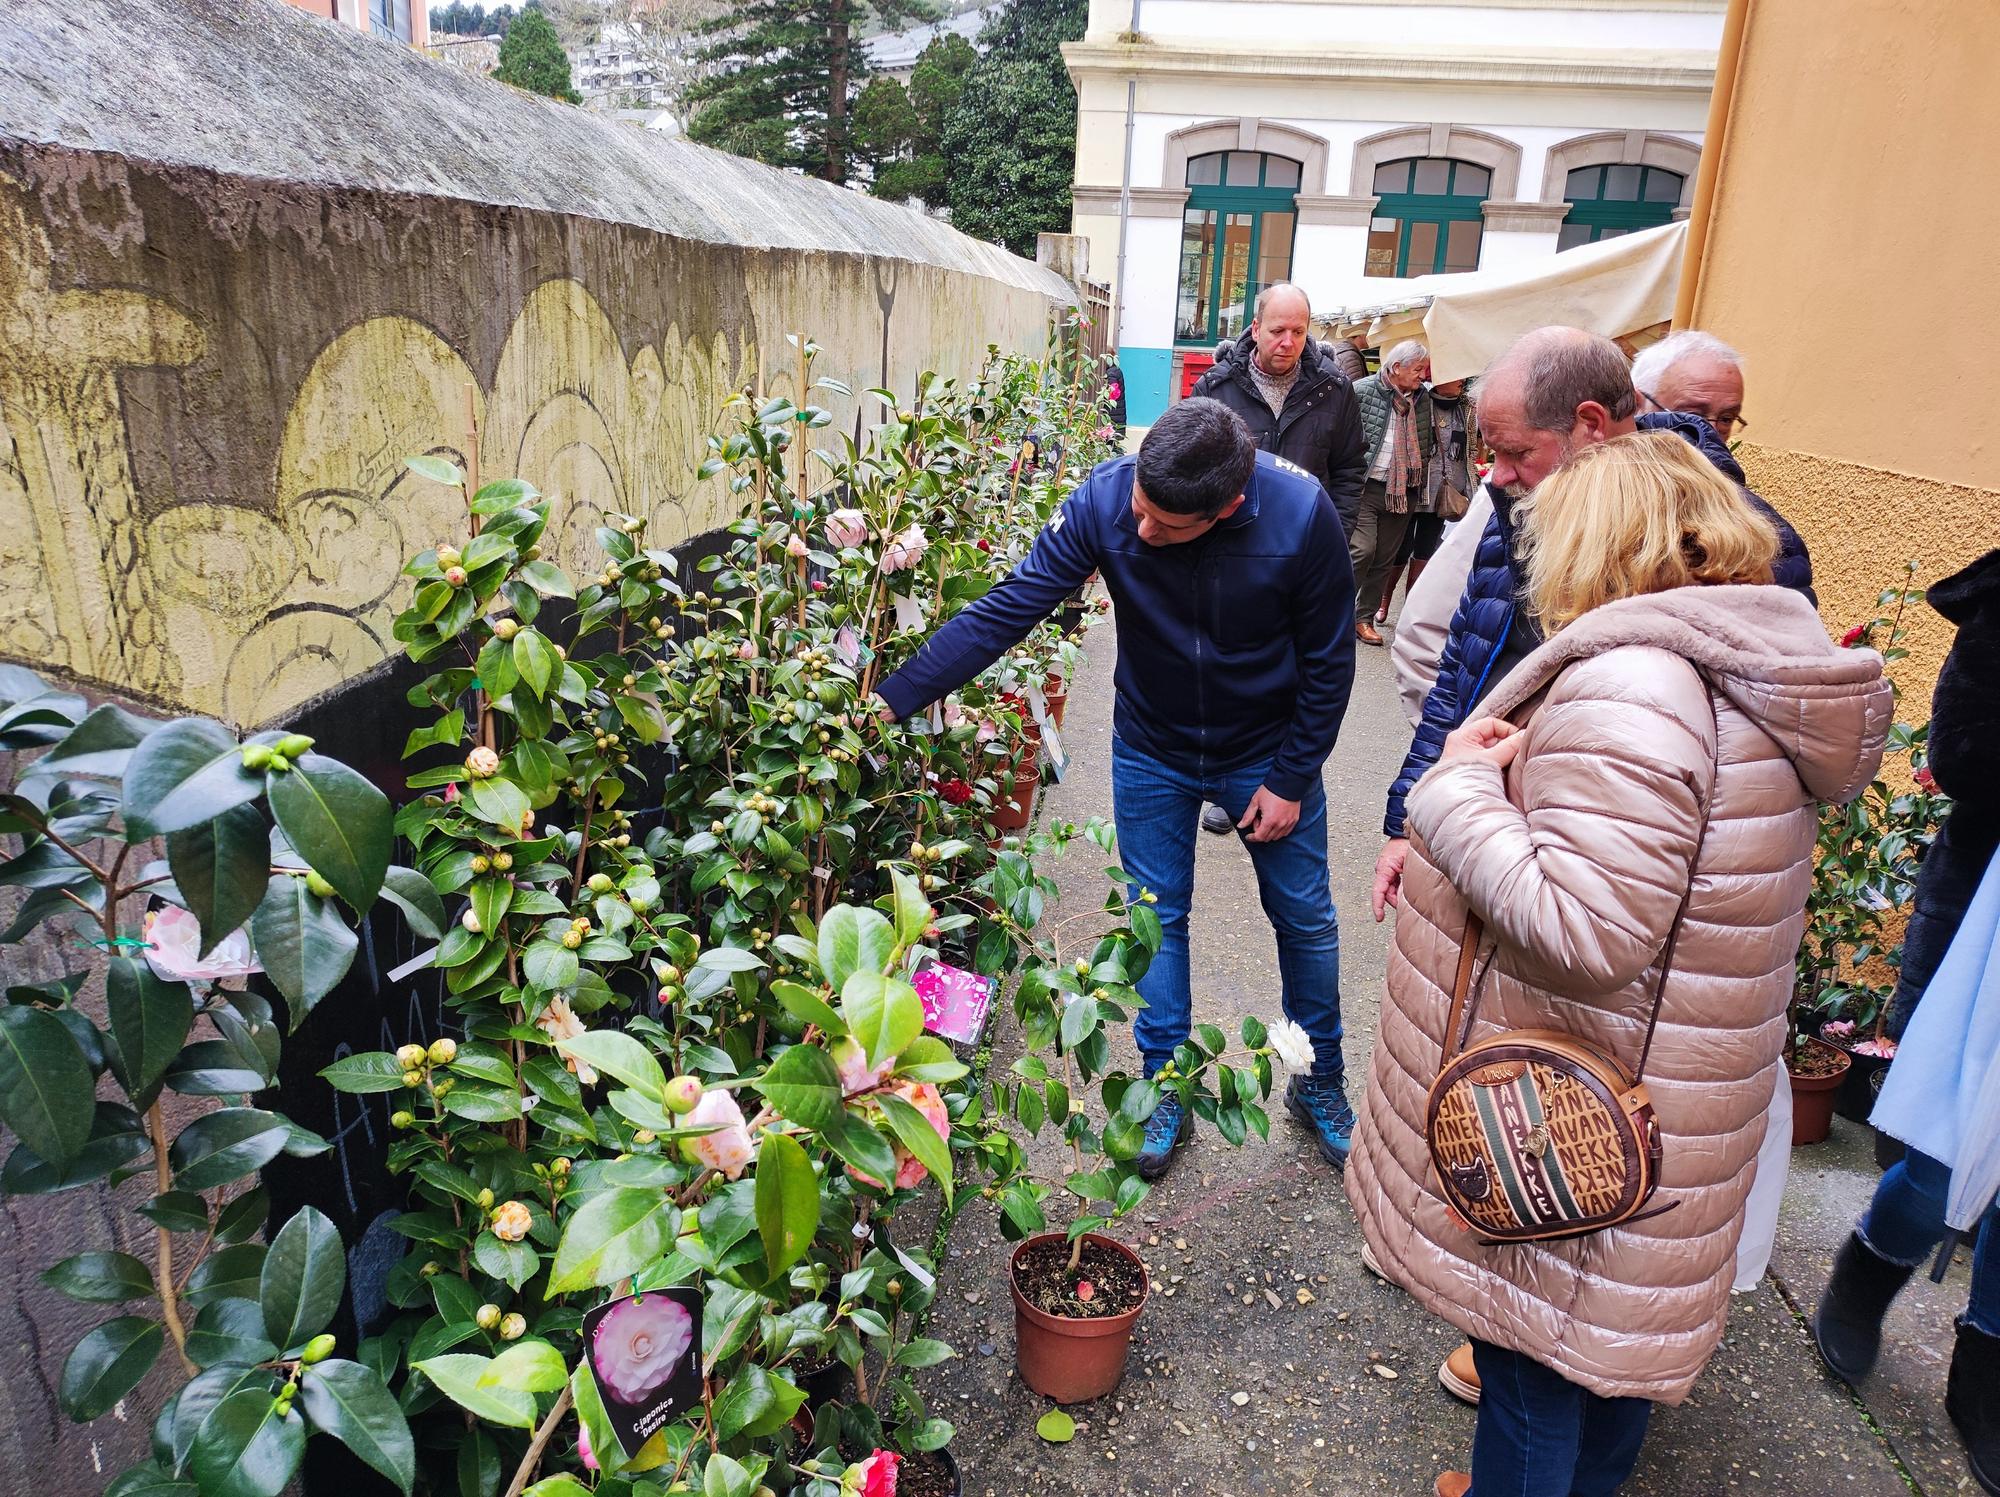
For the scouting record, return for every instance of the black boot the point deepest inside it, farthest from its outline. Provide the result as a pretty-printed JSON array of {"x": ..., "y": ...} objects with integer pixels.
[
  {"x": 1848, "y": 1323},
  {"x": 1972, "y": 1398}
]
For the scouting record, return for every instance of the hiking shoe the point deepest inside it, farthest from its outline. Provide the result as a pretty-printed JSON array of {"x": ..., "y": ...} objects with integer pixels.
[
  {"x": 1320, "y": 1102},
  {"x": 1166, "y": 1131},
  {"x": 1215, "y": 819}
]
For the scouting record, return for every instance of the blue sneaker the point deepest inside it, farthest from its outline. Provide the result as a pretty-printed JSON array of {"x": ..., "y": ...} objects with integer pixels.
[
  {"x": 1320, "y": 1102},
  {"x": 1166, "y": 1131}
]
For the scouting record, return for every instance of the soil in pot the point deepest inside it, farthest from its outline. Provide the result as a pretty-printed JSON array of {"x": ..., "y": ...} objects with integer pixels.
[
  {"x": 1105, "y": 1282},
  {"x": 1816, "y": 1070},
  {"x": 928, "y": 1473}
]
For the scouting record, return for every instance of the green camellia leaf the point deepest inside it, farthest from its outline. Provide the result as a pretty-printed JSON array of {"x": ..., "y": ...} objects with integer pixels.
[
  {"x": 883, "y": 1013},
  {"x": 501, "y": 494},
  {"x": 536, "y": 660},
  {"x": 186, "y": 773},
  {"x": 920, "y": 1138},
  {"x": 913, "y": 911},
  {"x": 490, "y": 898},
  {"x": 229, "y": 1331},
  {"x": 1056, "y": 1427},
  {"x": 590, "y": 1414},
  {"x": 458, "y": 1376},
  {"x": 150, "y": 1019},
  {"x": 436, "y": 469},
  {"x": 370, "y": 1071},
  {"x": 100, "y": 746},
  {"x": 788, "y": 1205},
  {"x": 234, "y": 1272},
  {"x": 221, "y": 867},
  {"x": 107, "y": 1364},
  {"x": 615, "y": 1233},
  {"x": 151, "y": 1480},
  {"x": 447, "y": 729},
  {"x": 547, "y": 579},
  {"x": 304, "y": 1275},
  {"x": 857, "y": 1143},
  {"x": 246, "y": 1448},
  {"x": 928, "y": 1058},
  {"x": 498, "y": 802},
  {"x": 300, "y": 939},
  {"x": 338, "y": 822},
  {"x": 557, "y": 1486},
  {"x": 803, "y": 1086},
  {"x": 550, "y": 966},
  {"x": 414, "y": 895},
  {"x": 104, "y": 1278},
  {"x": 45, "y": 1084},
  {"x": 349, "y": 1402},
  {"x": 852, "y": 940},
  {"x": 756, "y": 1402},
  {"x": 802, "y": 1003},
  {"x": 527, "y": 1367},
  {"x": 621, "y": 1056},
  {"x": 219, "y": 1147},
  {"x": 512, "y": 1262}
]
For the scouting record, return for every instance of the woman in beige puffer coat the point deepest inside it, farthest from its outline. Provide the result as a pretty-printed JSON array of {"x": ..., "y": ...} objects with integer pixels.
[{"x": 1571, "y": 829}]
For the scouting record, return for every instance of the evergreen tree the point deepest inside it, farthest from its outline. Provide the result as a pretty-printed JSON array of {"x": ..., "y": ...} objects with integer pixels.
[
  {"x": 461, "y": 18},
  {"x": 785, "y": 71},
  {"x": 532, "y": 57},
  {"x": 1009, "y": 138},
  {"x": 882, "y": 124}
]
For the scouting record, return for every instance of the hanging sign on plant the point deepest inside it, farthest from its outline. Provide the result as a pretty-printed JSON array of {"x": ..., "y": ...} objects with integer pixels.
[
  {"x": 645, "y": 1355},
  {"x": 955, "y": 1001}
]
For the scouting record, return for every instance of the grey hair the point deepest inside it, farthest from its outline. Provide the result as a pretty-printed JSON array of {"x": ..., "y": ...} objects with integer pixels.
[
  {"x": 1409, "y": 351},
  {"x": 1562, "y": 367},
  {"x": 1653, "y": 362},
  {"x": 1264, "y": 296}
]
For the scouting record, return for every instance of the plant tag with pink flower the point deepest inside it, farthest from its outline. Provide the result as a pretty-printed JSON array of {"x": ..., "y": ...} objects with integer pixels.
[
  {"x": 955, "y": 1001},
  {"x": 645, "y": 1354}
]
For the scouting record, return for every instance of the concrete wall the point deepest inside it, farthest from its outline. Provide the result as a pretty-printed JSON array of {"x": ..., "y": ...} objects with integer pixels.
[
  {"x": 1851, "y": 259},
  {"x": 247, "y": 268}
]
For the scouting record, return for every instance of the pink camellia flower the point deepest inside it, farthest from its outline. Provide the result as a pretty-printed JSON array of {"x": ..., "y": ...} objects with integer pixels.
[
  {"x": 906, "y": 550},
  {"x": 874, "y": 1477},
  {"x": 729, "y": 1148},
  {"x": 1837, "y": 1029},
  {"x": 482, "y": 763},
  {"x": 747, "y": 650},
  {"x": 954, "y": 714},
  {"x": 928, "y": 1101},
  {"x": 846, "y": 527},
  {"x": 797, "y": 546},
  {"x": 511, "y": 1221},
  {"x": 851, "y": 1062},
  {"x": 559, "y": 1022},
  {"x": 583, "y": 1450},
  {"x": 1882, "y": 1049},
  {"x": 173, "y": 940},
  {"x": 1926, "y": 781},
  {"x": 988, "y": 730},
  {"x": 638, "y": 1344},
  {"x": 450, "y": 794}
]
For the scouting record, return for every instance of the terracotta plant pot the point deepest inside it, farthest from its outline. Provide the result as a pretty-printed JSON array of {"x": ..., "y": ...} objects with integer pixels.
[
  {"x": 1027, "y": 779},
  {"x": 1055, "y": 691},
  {"x": 1813, "y": 1098},
  {"x": 1067, "y": 1359}
]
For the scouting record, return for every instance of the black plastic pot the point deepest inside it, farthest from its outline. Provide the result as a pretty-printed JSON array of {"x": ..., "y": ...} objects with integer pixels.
[
  {"x": 1856, "y": 1097},
  {"x": 1889, "y": 1149}
]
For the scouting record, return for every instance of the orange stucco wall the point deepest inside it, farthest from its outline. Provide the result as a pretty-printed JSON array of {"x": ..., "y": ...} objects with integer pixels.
[{"x": 1852, "y": 259}]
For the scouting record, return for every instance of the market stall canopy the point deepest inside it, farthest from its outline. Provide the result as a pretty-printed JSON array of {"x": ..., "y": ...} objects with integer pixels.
[{"x": 1623, "y": 288}]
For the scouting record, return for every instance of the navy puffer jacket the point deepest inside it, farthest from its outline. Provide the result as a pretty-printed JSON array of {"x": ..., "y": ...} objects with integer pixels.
[{"x": 1491, "y": 602}]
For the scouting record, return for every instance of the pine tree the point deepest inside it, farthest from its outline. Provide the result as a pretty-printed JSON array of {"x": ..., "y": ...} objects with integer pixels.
[
  {"x": 532, "y": 57},
  {"x": 1009, "y": 138}
]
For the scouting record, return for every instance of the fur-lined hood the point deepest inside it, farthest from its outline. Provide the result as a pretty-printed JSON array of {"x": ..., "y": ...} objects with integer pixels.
[{"x": 1763, "y": 648}]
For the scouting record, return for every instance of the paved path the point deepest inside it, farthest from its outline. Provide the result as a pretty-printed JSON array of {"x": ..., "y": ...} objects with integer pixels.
[{"x": 1229, "y": 1232}]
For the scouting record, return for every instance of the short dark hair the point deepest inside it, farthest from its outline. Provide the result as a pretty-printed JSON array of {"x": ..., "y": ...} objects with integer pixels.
[
  {"x": 1562, "y": 374},
  {"x": 1196, "y": 458}
]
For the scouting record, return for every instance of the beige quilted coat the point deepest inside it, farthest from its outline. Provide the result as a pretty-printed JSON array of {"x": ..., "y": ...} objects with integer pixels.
[{"x": 1577, "y": 865}]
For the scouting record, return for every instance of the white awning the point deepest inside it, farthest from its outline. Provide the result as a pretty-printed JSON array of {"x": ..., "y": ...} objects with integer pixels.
[{"x": 1623, "y": 288}]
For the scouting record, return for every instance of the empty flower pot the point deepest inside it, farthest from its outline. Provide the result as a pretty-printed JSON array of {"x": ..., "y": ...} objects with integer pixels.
[{"x": 1066, "y": 1358}]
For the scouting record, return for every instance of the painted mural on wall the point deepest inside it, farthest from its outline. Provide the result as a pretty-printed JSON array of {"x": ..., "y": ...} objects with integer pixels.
[{"x": 205, "y": 405}]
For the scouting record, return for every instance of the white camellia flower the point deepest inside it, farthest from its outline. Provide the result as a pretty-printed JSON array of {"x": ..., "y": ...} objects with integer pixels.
[
  {"x": 173, "y": 941},
  {"x": 1293, "y": 1045}
]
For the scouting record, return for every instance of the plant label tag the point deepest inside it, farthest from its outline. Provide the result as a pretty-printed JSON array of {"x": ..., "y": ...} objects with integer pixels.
[
  {"x": 1053, "y": 753},
  {"x": 822, "y": 873},
  {"x": 1038, "y": 706},
  {"x": 873, "y": 759},
  {"x": 955, "y": 1001},
  {"x": 909, "y": 612},
  {"x": 645, "y": 1353},
  {"x": 847, "y": 646}
]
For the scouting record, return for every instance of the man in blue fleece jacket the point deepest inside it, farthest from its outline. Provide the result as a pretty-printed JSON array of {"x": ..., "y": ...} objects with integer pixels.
[{"x": 1229, "y": 572}]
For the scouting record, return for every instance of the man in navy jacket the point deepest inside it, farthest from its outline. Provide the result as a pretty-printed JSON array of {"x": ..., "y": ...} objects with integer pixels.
[{"x": 1229, "y": 572}]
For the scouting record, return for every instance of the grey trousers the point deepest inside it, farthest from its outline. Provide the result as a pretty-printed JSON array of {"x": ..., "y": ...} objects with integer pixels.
[{"x": 1372, "y": 544}]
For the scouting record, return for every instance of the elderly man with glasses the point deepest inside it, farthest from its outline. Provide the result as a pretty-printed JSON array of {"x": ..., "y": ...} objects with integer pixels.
[{"x": 1696, "y": 374}]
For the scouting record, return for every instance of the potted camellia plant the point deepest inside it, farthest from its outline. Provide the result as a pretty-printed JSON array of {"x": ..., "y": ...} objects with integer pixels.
[{"x": 1078, "y": 1291}]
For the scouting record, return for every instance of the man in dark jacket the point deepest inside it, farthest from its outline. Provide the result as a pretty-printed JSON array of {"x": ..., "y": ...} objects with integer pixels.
[
  {"x": 1228, "y": 570},
  {"x": 1283, "y": 383},
  {"x": 1557, "y": 389}
]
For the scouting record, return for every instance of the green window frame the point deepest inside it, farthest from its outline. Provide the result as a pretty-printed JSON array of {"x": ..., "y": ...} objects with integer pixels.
[
  {"x": 1236, "y": 238},
  {"x": 1607, "y": 201},
  {"x": 1430, "y": 216}
]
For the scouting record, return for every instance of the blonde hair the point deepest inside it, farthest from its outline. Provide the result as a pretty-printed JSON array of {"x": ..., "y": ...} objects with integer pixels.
[{"x": 1637, "y": 514}]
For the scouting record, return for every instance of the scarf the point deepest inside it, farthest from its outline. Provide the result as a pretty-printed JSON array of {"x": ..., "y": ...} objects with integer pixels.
[
  {"x": 1406, "y": 463},
  {"x": 1274, "y": 388}
]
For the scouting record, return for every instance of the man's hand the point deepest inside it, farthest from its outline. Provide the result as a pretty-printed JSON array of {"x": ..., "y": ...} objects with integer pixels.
[
  {"x": 880, "y": 710},
  {"x": 1389, "y": 876},
  {"x": 1269, "y": 818},
  {"x": 1491, "y": 739}
]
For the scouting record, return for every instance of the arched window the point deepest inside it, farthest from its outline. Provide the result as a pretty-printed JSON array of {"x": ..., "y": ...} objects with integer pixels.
[
  {"x": 1236, "y": 239},
  {"x": 1606, "y": 201},
  {"x": 1429, "y": 218}
]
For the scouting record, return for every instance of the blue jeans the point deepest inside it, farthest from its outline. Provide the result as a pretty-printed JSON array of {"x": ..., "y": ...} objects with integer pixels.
[
  {"x": 1540, "y": 1435},
  {"x": 1905, "y": 1222},
  {"x": 1158, "y": 811}
]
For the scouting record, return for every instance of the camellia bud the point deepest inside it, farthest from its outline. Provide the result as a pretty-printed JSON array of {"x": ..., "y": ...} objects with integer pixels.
[
  {"x": 506, "y": 628},
  {"x": 413, "y": 1078},
  {"x": 402, "y": 1120},
  {"x": 481, "y": 863},
  {"x": 683, "y": 1092},
  {"x": 256, "y": 755},
  {"x": 448, "y": 556},
  {"x": 601, "y": 883},
  {"x": 293, "y": 745},
  {"x": 487, "y": 1317},
  {"x": 317, "y": 885},
  {"x": 409, "y": 1057},
  {"x": 470, "y": 921},
  {"x": 572, "y": 939},
  {"x": 482, "y": 763},
  {"x": 318, "y": 1349},
  {"x": 645, "y": 1136},
  {"x": 485, "y": 1199},
  {"x": 559, "y": 1166},
  {"x": 502, "y": 861},
  {"x": 277, "y": 763},
  {"x": 443, "y": 1052},
  {"x": 513, "y": 1327},
  {"x": 455, "y": 576}
]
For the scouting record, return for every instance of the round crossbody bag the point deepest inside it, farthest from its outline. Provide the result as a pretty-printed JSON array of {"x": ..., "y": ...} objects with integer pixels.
[{"x": 1535, "y": 1134}]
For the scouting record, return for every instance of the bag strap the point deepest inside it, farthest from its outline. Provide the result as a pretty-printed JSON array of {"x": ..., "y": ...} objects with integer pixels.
[{"x": 1465, "y": 992}]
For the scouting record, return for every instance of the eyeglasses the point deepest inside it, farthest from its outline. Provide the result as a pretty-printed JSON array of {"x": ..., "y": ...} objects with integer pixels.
[{"x": 1738, "y": 422}]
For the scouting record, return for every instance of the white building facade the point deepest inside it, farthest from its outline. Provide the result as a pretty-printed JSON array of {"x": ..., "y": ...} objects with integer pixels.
[{"x": 1351, "y": 145}]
